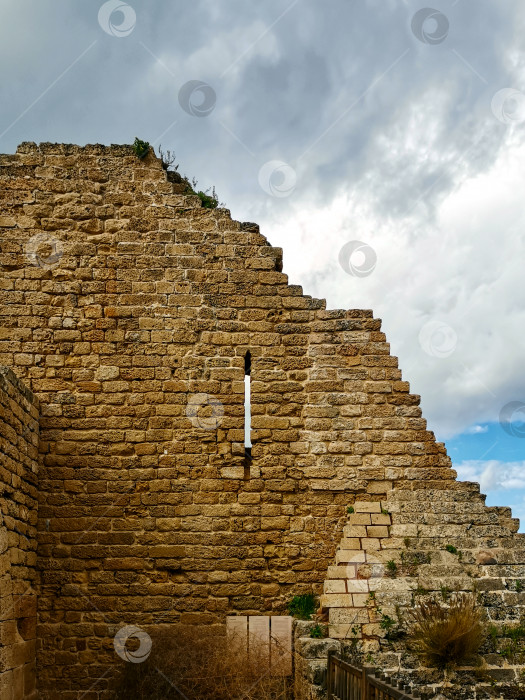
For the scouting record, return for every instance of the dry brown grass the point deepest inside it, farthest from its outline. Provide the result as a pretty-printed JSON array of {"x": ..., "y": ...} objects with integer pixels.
[
  {"x": 447, "y": 634},
  {"x": 196, "y": 664}
]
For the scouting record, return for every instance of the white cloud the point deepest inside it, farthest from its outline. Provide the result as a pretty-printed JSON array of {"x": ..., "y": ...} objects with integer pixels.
[
  {"x": 463, "y": 269},
  {"x": 477, "y": 429},
  {"x": 493, "y": 475}
]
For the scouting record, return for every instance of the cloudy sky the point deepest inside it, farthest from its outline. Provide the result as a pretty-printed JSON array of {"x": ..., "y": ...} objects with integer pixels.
[{"x": 380, "y": 143}]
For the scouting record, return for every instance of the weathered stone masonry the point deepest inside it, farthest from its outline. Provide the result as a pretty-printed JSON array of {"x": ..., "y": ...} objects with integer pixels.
[
  {"x": 18, "y": 519},
  {"x": 145, "y": 517}
]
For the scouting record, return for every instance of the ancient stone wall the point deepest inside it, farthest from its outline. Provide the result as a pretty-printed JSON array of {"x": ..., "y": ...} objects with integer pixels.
[
  {"x": 18, "y": 543},
  {"x": 128, "y": 310}
]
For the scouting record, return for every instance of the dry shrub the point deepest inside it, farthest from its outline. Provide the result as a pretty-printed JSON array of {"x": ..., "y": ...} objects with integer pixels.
[
  {"x": 198, "y": 664},
  {"x": 445, "y": 635}
]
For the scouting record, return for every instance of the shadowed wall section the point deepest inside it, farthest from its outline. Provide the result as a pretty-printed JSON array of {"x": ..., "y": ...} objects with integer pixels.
[{"x": 18, "y": 519}]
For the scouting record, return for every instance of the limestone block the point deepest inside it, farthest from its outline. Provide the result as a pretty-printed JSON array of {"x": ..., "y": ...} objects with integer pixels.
[
  {"x": 357, "y": 586},
  {"x": 339, "y": 600},
  {"x": 367, "y": 507},
  {"x": 360, "y": 600},
  {"x": 341, "y": 572},
  {"x": 347, "y": 556},
  {"x": 355, "y": 531},
  {"x": 377, "y": 531},
  {"x": 380, "y": 519},
  {"x": 334, "y": 586},
  {"x": 359, "y": 519}
]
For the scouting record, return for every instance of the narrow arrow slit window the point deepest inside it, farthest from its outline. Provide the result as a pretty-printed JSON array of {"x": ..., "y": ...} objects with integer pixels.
[{"x": 247, "y": 405}]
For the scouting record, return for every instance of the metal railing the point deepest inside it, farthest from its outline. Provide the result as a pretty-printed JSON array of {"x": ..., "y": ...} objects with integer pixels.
[{"x": 348, "y": 682}]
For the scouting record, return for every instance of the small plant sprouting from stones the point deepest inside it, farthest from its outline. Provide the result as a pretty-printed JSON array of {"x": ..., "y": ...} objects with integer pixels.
[
  {"x": 318, "y": 632},
  {"x": 513, "y": 650},
  {"x": 384, "y": 511},
  {"x": 209, "y": 198},
  {"x": 169, "y": 159},
  {"x": 141, "y": 148},
  {"x": 350, "y": 510},
  {"x": 445, "y": 593},
  {"x": 410, "y": 562},
  {"x": 302, "y": 606},
  {"x": 387, "y": 623},
  {"x": 354, "y": 640},
  {"x": 519, "y": 586},
  {"x": 391, "y": 568},
  {"x": 372, "y": 600},
  {"x": 450, "y": 548},
  {"x": 406, "y": 542},
  {"x": 420, "y": 590},
  {"x": 393, "y": 629}
]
